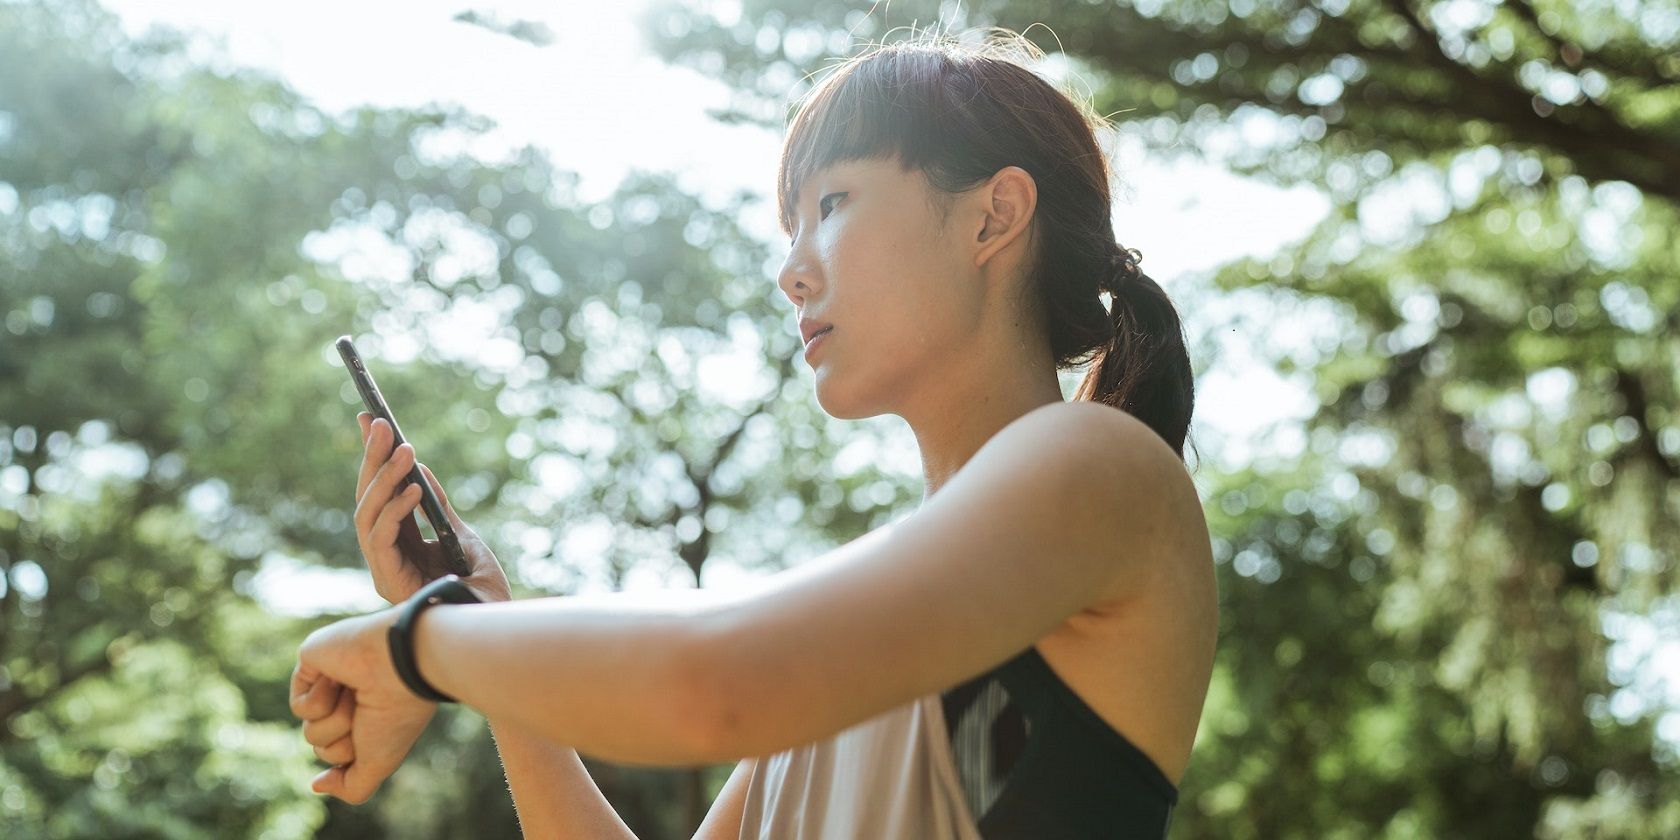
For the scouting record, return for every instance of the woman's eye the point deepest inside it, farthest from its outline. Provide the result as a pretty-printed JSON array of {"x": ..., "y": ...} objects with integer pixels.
[{"x": 821, "y": 204}]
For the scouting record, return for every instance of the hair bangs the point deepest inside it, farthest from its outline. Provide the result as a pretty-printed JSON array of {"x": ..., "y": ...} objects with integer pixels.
[{"x": 874, "y": 108}]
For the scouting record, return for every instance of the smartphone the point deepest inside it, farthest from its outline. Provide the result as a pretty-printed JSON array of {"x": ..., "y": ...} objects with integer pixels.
[{"x": 429, "y": 502}]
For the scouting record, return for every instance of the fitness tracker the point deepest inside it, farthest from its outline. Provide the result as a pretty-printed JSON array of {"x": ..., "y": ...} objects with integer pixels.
[{"x": 445, "y": 590}]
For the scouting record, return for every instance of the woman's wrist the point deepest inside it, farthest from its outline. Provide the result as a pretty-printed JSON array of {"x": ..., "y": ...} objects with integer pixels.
[
  {"x": 430, "y": 636},
  {"x": 402, "y": 632}
]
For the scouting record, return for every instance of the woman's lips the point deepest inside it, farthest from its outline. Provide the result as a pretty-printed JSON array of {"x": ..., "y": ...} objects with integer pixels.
[{"x": 811, "y": 345}]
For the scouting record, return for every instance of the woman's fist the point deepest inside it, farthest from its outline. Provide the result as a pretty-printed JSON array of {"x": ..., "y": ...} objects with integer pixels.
[{"x": 356, "y": 712}]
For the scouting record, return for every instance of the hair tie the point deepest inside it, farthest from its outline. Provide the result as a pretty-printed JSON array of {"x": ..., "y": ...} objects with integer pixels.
[{"x": 1123, "y": 268}]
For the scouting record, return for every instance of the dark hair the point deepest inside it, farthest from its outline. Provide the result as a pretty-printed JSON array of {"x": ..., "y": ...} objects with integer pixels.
[{"x": 959, "y": 113}]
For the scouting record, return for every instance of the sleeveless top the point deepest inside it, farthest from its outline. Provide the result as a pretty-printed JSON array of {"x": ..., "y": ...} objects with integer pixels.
[{"x": 1012, "y": 753}]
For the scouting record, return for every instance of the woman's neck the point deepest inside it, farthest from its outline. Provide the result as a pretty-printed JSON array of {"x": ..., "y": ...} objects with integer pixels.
[{"x": 947, "y": 439}]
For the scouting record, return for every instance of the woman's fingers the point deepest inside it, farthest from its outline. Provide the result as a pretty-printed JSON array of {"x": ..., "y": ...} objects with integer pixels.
[
  {"x": 398, "y": 510},
  {"x": 371, "y": 458},
  {"x": 333, "y": 726},
  {"x": 380, "y": 490},
  {"x": 356, "y": 782},
  {"x": 338, "y": 752},
  {"x": 330, "y": 735},
  {"x": 375, "y": 453},
  {"x": 312, "y": 694}
]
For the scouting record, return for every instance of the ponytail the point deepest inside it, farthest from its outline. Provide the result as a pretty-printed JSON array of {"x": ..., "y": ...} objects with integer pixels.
[{"x": 1145, "y": 369}]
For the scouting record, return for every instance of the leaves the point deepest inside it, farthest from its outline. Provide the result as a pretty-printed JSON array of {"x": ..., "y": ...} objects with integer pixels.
[{"x": 1420, "y": 608}]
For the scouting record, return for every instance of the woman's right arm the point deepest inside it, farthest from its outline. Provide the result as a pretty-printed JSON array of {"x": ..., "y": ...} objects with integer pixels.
[
  {"x": 553, "y": 793},
  {"x": 723, "y": 821},
  {"x": 555, "y": 797}
]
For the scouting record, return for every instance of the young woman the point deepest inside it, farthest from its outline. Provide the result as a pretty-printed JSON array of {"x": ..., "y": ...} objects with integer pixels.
[{"x": 1025, "y": 656}]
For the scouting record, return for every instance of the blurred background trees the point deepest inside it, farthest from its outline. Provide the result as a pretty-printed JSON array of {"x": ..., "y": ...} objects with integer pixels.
[{"x": 1434, "y": 590}]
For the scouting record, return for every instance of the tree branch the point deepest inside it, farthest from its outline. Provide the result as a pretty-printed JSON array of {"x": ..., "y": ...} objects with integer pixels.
[
  {"x": 1599, "y": 143},
  {"x": 1632, "y": 389},
  {"x": 1524, "y": 10},
  {"x": 1578, "y": 142}
]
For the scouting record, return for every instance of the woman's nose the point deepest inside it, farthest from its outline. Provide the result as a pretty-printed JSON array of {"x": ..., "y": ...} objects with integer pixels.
[{"x": 797, "y": 280}]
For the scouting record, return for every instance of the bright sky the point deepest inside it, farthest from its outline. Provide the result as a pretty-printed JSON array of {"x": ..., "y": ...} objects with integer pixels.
[{"x": 585, "y": 99}]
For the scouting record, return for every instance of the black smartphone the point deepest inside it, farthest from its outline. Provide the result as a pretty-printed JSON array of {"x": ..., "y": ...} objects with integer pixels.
[{"x": 429, "y": 502}]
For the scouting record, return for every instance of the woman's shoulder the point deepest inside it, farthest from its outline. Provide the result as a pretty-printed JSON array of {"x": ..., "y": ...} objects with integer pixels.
[
  {"x": 1131, "y": 455},
  {"x": 1129, "y": 452},
  {"x": 1099, "y": 427}
]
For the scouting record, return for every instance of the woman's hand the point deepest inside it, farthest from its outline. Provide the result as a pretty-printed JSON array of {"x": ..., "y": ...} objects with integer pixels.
[
  {"x": 400, "y": 559},
  {"x": 355, "y": 710}
]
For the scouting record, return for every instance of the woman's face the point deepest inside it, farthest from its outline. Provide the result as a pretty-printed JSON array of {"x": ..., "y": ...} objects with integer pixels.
[{"x": 870, "y": 258}]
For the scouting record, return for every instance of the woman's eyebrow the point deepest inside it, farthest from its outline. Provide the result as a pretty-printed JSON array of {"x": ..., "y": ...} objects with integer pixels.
[{"x": 799, "y": 196}]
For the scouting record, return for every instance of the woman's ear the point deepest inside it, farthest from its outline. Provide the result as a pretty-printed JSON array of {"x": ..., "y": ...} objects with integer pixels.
[{"x": 1005, "y": 205}]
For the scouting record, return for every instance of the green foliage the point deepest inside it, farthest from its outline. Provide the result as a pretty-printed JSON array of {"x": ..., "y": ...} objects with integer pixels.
[{"x": 1415, "y": 604}]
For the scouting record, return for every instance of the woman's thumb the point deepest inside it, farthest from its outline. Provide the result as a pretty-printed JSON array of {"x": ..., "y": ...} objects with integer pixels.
[
  {"x": 349, "y": 782},
  {"x": 328, "y": 781}
]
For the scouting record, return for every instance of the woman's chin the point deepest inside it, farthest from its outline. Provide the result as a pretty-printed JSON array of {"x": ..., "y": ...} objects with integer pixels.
[{"x": 836, "y": 402}]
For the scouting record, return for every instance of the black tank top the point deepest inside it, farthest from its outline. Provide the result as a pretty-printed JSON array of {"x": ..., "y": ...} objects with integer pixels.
[{"x": 1036, "y": 762}]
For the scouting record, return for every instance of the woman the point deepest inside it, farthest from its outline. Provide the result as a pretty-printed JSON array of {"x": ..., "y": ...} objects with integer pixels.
[{"x": 1025, "y": 656}]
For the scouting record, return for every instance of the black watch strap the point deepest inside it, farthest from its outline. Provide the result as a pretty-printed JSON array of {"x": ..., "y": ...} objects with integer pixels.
[{"x": 445, "y": 590}]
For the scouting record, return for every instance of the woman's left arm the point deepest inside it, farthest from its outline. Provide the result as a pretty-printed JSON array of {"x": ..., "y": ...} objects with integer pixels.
[
  {"x": 1064, "y": 509},
  {"x": 613, "y": 675},
  {"x": 607, "y": 675}
]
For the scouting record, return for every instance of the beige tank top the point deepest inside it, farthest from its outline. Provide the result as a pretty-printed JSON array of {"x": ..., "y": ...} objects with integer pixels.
[{"x": 891, "y": 777}]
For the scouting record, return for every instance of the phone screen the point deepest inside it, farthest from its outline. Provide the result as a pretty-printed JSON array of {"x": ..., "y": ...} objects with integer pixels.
[{"x": 429, "y": 502}]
